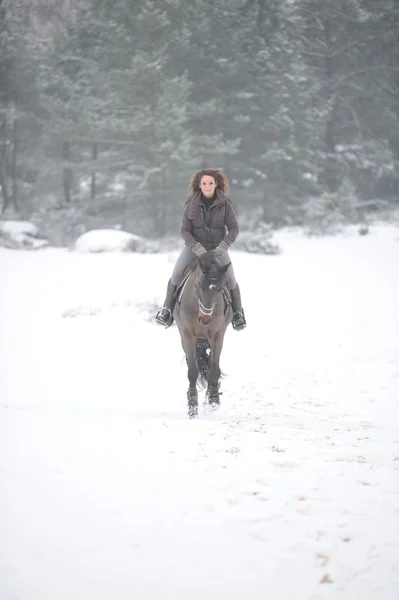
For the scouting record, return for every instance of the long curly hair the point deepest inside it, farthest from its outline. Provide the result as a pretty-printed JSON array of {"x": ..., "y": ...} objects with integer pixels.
[{"x": 222, "y": 183}]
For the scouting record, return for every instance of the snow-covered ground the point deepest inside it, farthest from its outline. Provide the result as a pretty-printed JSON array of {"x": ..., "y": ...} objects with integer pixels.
[{"x": 290, "y": 491}]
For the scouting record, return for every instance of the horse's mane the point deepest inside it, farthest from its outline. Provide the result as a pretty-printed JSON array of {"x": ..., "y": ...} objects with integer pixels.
[{"x": 210, "y": 266}]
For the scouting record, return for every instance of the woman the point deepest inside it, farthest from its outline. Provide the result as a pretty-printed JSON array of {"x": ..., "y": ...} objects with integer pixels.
[{"x": 209, "y": 223}]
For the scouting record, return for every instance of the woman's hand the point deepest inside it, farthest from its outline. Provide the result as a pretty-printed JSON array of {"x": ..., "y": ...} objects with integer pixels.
[
  {"x": 199, "y": 249},
  {"x": 221, "y": 249}
]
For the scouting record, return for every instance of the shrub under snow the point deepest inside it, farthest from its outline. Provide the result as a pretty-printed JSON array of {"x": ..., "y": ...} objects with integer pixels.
[
  {"x": 112, "y": 240},
  {"x": 21, "y": 235},
  {"x": 257, "y": 241}
]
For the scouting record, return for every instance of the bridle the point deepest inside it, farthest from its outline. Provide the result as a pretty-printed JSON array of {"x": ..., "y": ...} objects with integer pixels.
[{"x": 204, "y": 309}]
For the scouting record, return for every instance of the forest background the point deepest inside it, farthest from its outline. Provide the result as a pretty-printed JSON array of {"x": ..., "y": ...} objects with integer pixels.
[{"x": 107, "y": 107}]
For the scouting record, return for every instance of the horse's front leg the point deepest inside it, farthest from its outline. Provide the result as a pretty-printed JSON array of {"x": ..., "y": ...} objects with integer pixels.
[
  {"x": 189, "y": 343},
  {"x": 214, "y": 372}
]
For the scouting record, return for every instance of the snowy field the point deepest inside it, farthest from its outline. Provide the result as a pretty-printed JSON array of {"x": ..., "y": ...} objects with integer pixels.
[{"x": 290, "y": 491}]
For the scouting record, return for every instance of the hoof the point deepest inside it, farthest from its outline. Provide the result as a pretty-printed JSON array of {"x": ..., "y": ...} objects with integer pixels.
[
  {"x": 192, "y": 412},
  {"x": 214, "y": 403}
]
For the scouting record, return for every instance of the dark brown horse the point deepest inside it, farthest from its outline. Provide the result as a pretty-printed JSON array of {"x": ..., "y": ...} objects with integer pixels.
[{"x": 202, "y": 316}]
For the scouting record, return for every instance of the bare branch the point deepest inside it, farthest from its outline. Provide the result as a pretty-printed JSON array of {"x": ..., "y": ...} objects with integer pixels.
[
  {"x": 98, "y": 165},
  {"x": 349, "y": 46},
  {"x": 310, "y": 42},
  {"x": 91, "y": 140},
  {"x": 354, "y": 115},
  {"x": 315, "y": 54}
]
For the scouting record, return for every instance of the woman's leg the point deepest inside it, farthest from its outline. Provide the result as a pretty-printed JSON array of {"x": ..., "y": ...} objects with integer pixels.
[
  {"x": 239, "y": 321},
  {"x": 186, "y": 257},
  {"x": 224, "y": 260},
  {"x": 165, "y": 315}
]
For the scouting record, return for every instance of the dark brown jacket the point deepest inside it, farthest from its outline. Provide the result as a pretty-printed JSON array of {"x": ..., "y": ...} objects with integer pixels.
[{"x": 209, "y": 227}]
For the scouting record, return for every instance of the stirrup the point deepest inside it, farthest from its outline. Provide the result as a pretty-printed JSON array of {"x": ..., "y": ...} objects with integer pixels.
[
  {"x": 239, "y": 321},
  {"x": 164, "y": 317}
]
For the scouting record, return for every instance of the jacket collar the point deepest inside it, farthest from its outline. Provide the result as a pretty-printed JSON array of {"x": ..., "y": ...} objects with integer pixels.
[{"x": 195, "y": 200}]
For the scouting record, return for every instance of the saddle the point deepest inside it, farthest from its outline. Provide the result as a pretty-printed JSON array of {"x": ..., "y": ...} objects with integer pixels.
[{"x": 187, "y": 272}]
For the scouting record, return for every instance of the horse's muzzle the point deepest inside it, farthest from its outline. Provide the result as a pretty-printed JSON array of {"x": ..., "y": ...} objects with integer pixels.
[
  {"x": 205, "y": 313},
  {"x": 204, "y": 319}
]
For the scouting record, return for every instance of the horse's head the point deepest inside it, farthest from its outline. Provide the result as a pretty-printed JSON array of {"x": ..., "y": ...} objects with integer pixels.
[{"x": 210, "y": 286}]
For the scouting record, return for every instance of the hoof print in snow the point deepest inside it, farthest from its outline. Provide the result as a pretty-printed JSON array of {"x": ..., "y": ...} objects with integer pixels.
[
  {"x": 324, "y": 560},
  {"x": 81, "y": 311},
  {"x": 326, "y": 579},
  {"x": 277, "y": 449}
]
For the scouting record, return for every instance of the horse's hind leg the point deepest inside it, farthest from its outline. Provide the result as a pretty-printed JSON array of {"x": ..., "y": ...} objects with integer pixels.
[{"x": 189, "y": 343}]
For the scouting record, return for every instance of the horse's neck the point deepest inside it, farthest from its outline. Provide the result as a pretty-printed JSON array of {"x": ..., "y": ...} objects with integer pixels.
[
  {"x": 194, "y": 280},
  {"x": 197, "y": 275}
]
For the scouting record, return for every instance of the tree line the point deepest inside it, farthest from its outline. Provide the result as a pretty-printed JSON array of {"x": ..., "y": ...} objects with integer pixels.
[{"x": 108, "y": 106}]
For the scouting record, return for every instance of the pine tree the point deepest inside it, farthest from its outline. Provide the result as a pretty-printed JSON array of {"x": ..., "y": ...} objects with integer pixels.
[
  {"x": 117, "y": 85},
  {"x": 19, "y": 104},
  {"x": 338, "y": 45}
]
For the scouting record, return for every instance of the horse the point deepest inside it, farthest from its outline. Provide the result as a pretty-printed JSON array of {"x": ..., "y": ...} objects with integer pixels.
[{"x": 202, "y": 314}]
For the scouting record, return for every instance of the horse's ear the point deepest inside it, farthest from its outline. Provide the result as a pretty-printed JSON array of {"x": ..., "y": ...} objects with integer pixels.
[{"x": 224, "y": 269}]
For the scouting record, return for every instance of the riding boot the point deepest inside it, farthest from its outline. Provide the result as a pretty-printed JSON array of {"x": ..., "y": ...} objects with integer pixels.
[
  {"x": 239, "y": 321},
  {"x": 165, "y": 315}
]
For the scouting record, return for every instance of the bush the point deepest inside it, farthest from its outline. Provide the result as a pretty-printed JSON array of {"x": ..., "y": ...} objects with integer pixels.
[
  {"x": 330, "y": 211},
  {"x": 257, "y": 241}
]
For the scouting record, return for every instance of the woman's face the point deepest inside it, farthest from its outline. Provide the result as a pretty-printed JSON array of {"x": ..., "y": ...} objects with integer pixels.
[{"x": 207, "y": 186}]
